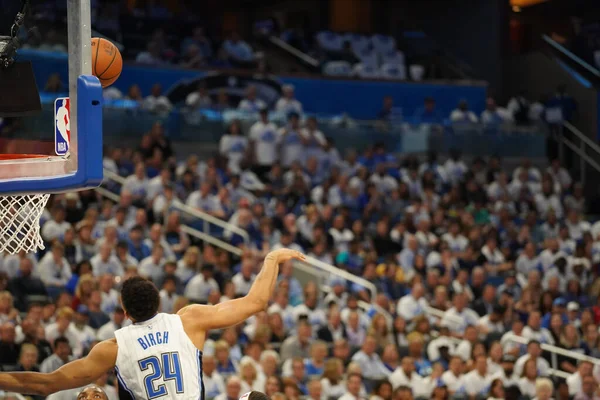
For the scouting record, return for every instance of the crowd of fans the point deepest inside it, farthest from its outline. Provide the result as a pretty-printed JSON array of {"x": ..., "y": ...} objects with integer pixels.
[{"x": 462, "y": 255}]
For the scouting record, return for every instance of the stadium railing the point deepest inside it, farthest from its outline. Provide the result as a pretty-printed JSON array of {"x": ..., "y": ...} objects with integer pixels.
[
  {"x": 585, "y": 148},
  {"x": 319, "y": 269},
  {"x": 553, "y": 350},
  {"x": 207, "y": 219},
  {"x": 405, "y": 135}
]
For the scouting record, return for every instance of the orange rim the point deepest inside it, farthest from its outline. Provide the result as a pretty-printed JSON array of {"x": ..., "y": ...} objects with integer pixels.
[{"x": 21, "y": 156}]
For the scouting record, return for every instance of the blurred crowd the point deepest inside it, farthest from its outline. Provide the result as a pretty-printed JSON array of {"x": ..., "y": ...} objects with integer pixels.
[{"x": 457, "y": 258}]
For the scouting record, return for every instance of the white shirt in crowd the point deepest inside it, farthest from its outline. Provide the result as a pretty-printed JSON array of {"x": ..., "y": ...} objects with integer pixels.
[
  {"x": 52, "y": 273},
  {"x": 409, "y": 308},
  {"x": 398, "y": 378},
  {"x": 242, "y": 286},
  {"x": 198, "y": 288},
  {"x": 457, "y": 321},
  {"x": 54, "y": 230},
  {"x": 474, "y": 384},
  {"x": 287, "y": 106},
  {"x": 234, "y": 147},
  {"x": 111, "y": 266},
  {"x": 197, "y": 100},
  {"x": 252, "y": 105},
  {"x": 157, "y": 104},
  {"x": 542, "y": 335},
  {"x": 136, "y": 186},
  {"x": 542, "y": 365},
  {"x": 264, "y": 136},
  {"x": 453, "y": 382},
  {"x": 463, "y": 116},
  {"x": 150, "y": 269}
]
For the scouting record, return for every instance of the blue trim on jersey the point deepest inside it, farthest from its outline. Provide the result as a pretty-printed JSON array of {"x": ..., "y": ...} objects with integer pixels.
[
  {"x": 122, "y": 382},
  {"x": 200, "y": 380}
]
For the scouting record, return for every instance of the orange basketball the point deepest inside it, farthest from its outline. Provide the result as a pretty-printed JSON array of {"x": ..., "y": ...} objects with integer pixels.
[{"x": 107, "y": 62}]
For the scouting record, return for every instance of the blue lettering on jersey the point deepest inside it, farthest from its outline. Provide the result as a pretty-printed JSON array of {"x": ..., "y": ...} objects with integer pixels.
[
  {"x": 152, "y": 339},
  {"x": 268, "y": 136}
]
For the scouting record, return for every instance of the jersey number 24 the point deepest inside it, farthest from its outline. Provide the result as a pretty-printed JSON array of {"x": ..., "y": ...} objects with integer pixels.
[{"x": 165, "y": 368}]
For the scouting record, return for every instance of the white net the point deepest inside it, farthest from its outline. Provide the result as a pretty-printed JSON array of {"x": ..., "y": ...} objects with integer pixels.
[{"x": 20, "y": 222}]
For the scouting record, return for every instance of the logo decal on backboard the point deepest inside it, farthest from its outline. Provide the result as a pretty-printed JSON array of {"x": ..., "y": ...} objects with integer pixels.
[{"x": 62, "y": 126}]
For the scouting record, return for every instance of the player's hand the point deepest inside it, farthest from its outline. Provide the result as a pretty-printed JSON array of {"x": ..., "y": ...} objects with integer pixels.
[{"x": 283, "y": 255}]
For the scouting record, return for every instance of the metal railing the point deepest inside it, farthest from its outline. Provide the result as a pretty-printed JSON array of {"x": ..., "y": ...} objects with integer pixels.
[
  {"x": 581, "y": 149},
  {"x": 195, "y": 213},
  {"x": 312, "y": 265},
  {"x": 556, "y": 350}
]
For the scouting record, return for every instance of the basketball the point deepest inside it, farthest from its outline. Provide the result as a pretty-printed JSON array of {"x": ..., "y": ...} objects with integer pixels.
[{"x": 107, "y": 63}]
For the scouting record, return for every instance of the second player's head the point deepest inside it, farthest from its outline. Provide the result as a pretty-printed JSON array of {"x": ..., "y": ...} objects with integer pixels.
[{"x": 140, "y": 299}]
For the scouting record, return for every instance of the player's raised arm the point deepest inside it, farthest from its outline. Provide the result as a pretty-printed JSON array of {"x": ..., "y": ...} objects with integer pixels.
[
  {"x": 71, "y": 375},
  {"x": 232, "y": 312}
]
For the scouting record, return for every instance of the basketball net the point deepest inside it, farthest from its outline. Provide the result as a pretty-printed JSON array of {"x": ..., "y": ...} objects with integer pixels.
[{"x": 20, "y": 222}]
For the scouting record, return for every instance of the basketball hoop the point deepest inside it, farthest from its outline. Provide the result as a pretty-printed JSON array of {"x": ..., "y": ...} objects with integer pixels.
[{"x": 20, "y": 215}]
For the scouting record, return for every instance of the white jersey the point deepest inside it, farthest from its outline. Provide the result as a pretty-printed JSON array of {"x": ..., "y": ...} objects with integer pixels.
[{"x": 156, "y": 359}]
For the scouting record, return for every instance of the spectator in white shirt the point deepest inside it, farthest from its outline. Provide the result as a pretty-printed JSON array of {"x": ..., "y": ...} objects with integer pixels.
[
  {"x": 238, "y": 50},
  {"x": 233, "y": 389},
  {"x": 152, "y": 267},
  {"x": 157, "y": 102},
  {"x": 462, "y": 114},
  {"x": 203, "y": 200},
  {"x": 453, "y": 378},
  {"x": 353, "y": 386},
  {"x": 560, "y": 174},
  {"x": 405, "y": 375},
  {"x": 458, "y": 317},
  {"x": 156, "y": 186},
  {"x": 494, "y": 115},
  {"x": 287, "y": 103},
  {"x": 313, "y": 139},
  {"x": 199, "y": 98},
  {"x": 547, "y": 200},
  {"x": 526, "y": 262},
  {"x": 528, "y": 378},
  {"x": 200, "y": 286},
  {"x": 243, "y": 280},
  {"x": 414, "y": 304},
  {"x": 56, "y": 227},
  {"x": 263, "y": 139},
  {"x": 477, "y": 381},
  {"x": 213, "y": 381},
  {"x": 290, "y": 140},
  {"x": 534, "y": 330},
  {"x": 543, "y": 389},
  {"x": 234, "y": 146},
  {"x": 584, "y": 368},
  {"x": 373, "y": 368},
  {"x": 455, "y": 240},
  {"x": 168, "y": 293},
  {"x": 54, "y": 269},
  {"x": 107, "y": 331},
  {"x": 534, "y": 352},
  {"x": 105, "y": 262},
  {"x": 251, "y": 103},
  {"x": 137, "y": 184},
  {"x": 341, "y": 235}
]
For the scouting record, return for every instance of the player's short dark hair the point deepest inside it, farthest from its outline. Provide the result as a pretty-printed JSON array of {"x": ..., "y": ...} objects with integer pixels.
[
  {"x": 254, "y": 395},
  {"x": 140, "y": 298}
]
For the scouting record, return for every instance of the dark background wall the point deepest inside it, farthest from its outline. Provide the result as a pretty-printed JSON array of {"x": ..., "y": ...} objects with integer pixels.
[{"x": 475, "y": 31}]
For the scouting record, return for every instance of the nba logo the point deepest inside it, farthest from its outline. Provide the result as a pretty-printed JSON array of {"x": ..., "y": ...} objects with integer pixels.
[{"x": 62, "y": 126}]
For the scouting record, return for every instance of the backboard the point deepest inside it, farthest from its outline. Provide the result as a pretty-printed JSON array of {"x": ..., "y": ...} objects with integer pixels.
[{"x": 74, "y": 162}]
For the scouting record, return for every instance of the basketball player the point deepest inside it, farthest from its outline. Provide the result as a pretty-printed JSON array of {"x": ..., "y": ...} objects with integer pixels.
[
  {"x": 159, "y": 355},
  {"x": 254, "y": 395},
  {"x": 92, "y": 392}
]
